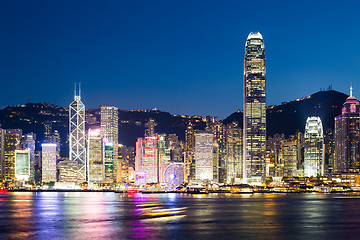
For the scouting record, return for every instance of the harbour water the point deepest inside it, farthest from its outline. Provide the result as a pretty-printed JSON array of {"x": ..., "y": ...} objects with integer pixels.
[{"x": 107, "y": 215}]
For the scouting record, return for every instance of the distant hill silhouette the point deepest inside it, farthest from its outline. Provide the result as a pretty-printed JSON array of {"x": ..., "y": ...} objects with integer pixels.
[{"x": 291, "y": 117}]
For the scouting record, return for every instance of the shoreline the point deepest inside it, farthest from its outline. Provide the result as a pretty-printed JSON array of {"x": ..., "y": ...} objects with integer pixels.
[{"x": 162, "y": 192}]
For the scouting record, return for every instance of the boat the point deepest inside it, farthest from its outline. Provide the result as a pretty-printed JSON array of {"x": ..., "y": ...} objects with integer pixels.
[{"x": 197, "y": 190}]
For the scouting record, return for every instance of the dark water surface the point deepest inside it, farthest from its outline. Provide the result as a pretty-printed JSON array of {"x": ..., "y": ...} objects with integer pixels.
[{"x": 83, "y": 215}]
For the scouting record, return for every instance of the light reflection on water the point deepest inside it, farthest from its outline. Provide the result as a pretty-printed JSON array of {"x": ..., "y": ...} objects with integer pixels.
[{"x": 82, "y": 215}]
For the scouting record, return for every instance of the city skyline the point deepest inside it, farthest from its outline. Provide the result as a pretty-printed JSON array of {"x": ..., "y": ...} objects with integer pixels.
[{"x": 129, "y": 53}]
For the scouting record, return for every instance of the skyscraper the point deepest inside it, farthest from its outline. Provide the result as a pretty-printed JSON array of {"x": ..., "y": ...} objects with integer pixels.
[
  {"x": 77, "y": 135},
  {"x": 204, "y": 155},
  {"x": 234, "y": 156},
  {"x": 314, "y": 148},
  {"x": 12, "y": 140},
  {"x": 48, "y": 162},
  {"x": 95, "y": 156},
  {"x": 109, "y": 118},
  {"x": 189, "y": 158},
  {"x": 146, "y": 159},
  {"x": 29, "y": 143},
  {"x": 347, "y": 137},
  {"x": 22, "y": 165},
  {"x": 254, "y": 109}
]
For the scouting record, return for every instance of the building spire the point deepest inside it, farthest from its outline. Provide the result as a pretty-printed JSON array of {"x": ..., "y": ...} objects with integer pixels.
[
  {"x": 74, "y": 89},
  {"x": 351, "y": 90},
  {"x": 79, "y": 89}
]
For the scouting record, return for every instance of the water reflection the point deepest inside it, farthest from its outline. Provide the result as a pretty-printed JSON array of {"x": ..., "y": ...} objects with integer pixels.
[{"x": 52, "y": 215}]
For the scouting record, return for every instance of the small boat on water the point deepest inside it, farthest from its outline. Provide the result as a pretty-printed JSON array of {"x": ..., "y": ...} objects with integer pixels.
[
  {"x": 197, "y": 190},
  {"x": 242, "y": 191}
]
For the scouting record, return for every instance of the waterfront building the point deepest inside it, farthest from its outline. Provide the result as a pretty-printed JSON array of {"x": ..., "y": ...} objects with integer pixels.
[
  {"x": 218, "y": 130},
  {"x": 12, "y": 142},
  {"x": 22, "y": 165},
  {"x": 109, "y": 174},
  {"x": 69, "y": 171},
  {"x": 290, "y": 156},
  {"x": 254, "y": 109},
  {"x": 109, "y": 118},
  {"x": 48, "y": 162},
  {"x": 234, "y": 154},
  {"x": 329, "y": 145},
  {"x": 127, "y": 159},
  {"x": 163, "y": 156},
  {"x": 313, "y": 148},
  {"x": 77, "y": 138},
  {"x": 274, "y": 153},
  {"x": 189, "y": 151},
  {"x": 29, "y": 144},
  {"x": 216, "y": 161},
  {"x": 95, "y": 156},
  {"x": 347, "y": 137},
  {"x": 204, "y": 155},
  {"x": 146, "y": 159}
]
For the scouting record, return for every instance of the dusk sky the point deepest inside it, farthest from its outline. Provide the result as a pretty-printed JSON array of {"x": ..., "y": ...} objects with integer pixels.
[{"x": 184, "y": 57}]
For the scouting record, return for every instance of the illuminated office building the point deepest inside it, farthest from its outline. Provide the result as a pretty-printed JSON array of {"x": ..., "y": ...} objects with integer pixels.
[
  {"x": 150, "y": 128},
  {"x": 290, "y": 157},
  {"x": 95, "y": 156},
  {"x": 29, "y": 144},
  {"x": 77, "y": 135},
  {"x": 163, "y": 156},
  {"x": 347, "y": 137},
  {"x": 109, "y": 117},
  {"x": 48, "y": 162},
  {"x": 204, "y": 155},
  {"x": 218, "y": 130},
  {"x": 68, "y": 171},
  {"x": 12, "y": 142},
  {"x": 254, "y": 109},
  {"x": 189, "y": 151},
  {"x": 146, "y": 159},
  {"x": 22, "y": 165},
  {"x": 313, "y": 148},
  {"x": 109, "y": 174},
  {"x": 234, "y": 154},
  {"x": 47, "y": 131}
]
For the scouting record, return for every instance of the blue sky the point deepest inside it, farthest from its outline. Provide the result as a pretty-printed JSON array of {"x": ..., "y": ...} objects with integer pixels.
[{"x": 184, "y": 57}]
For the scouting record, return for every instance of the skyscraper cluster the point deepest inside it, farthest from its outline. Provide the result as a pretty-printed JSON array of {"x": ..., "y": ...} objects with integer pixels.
[{"x": 219, "y": 152}]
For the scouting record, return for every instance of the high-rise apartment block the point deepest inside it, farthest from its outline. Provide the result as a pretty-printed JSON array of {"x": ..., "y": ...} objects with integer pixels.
[{"x": 254, "y": 109}]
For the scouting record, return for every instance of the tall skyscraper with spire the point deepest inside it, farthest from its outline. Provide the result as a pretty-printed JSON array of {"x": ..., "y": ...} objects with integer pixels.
[
  {"x": 254, "y": 109},
  {"x": 77, "y": 151}
]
